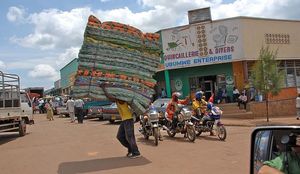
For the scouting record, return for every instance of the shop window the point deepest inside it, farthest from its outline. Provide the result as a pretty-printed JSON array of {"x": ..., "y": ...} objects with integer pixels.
[
  {"x": 290, "y": 63},
  {"x": 297, "y": 63},
  {"x": 284, "y": 76},
  {"x": 298, "y": 76},
  {"x": 290, "y": 75}
]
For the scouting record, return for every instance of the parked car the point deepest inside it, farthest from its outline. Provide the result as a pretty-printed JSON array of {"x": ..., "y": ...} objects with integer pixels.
[
  {"x": 161, "y": 105},
  {"x": 111, "y": 113},
  {"x": 61, "y": 105},
  {"x": 62, "y": 110},
  {"x": 56, "y": 102},
  {"x": 94, "y": 108}
]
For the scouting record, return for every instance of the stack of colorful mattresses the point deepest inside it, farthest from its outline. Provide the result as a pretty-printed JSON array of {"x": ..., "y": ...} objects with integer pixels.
[{"x": 121, "y": 56}]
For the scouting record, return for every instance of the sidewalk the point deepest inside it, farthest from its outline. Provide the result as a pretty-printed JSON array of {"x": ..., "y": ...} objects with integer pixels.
[{"x": 290, "y": 120}]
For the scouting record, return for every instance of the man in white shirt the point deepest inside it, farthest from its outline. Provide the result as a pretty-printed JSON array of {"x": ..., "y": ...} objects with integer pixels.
[
  {"x": 243, "y": 100},
  {"x": 71, "y": 108},
  {"x": 79, "y": 110}
]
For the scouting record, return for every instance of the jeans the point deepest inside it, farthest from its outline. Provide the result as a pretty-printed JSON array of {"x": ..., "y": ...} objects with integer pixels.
[
  {"x": 126, "y": 136},
  {"x": 79, "y": 114}
]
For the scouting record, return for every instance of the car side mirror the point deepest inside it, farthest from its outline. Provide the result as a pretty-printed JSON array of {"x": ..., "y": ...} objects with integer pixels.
[{"x": 273, "y": 142}]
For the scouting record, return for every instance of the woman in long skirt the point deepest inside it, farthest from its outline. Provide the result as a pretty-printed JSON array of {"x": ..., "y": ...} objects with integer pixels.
[{"x": 49, "y": 112}]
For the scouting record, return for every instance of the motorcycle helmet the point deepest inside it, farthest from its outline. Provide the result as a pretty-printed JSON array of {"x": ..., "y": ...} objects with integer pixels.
[
  {"x": 175, "y": 96},
  {"x": 199, "y": 95},
  {"x": 209, "y": 106}
]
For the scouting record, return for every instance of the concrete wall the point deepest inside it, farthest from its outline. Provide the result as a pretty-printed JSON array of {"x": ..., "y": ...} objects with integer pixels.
[
  {"x": 276, "y": 109},
  {"x": 254, "y": 30},
  {"x": 282, "y": 105}
]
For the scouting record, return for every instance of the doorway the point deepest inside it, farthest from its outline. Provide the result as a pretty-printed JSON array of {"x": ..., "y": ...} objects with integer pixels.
[{"x": 209, "y": 87}]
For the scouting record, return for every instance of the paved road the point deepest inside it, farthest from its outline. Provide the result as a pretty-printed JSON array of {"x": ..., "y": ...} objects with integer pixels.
[{"x": 66, "y": 148}]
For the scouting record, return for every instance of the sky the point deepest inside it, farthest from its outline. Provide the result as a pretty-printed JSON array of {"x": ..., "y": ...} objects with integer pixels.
[{"x": 39, "y": 37}]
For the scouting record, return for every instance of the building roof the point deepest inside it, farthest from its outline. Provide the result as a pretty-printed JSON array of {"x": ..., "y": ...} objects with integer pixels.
[
  {"x": 68, "y": 63},
  {"x": 233, "y": 18}
]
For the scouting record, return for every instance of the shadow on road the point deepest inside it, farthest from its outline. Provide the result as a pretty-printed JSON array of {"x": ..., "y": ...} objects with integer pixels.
[
  {"x": 7, "y": 137},
  {"x": 149, "y": 142},
  {"x": 100, "y": 165},
  {"x": 180, "y": 138},
  {"x": 210, "y": 138},
  {"x": 112, "y": 124}
]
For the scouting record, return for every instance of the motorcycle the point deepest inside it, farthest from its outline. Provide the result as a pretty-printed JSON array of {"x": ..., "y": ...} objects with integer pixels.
[
  {"x": 212, "y": 123},
  {"x": 183, "y": 126},
  {"x": 150, "y": 126}
]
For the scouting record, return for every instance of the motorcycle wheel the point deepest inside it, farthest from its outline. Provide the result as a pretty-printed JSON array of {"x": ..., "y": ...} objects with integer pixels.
[
  {"x": 155, "y": 133},
  {"x": 191, "y": 134},
  {"x": 169, "y": 126},
  {"x": 198, "y": 130},
  {"x": 222, "y": 133}
]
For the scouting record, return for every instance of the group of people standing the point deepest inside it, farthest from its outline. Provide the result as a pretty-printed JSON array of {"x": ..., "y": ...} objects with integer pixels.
[
  {"x": 75, "y": 108},
  {"x": 44, "y": 106}
]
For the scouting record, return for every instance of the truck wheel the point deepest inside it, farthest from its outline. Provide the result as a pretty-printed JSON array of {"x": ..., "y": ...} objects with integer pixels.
[
  {"x": 22, "y": 128},
  {"x": 111, "y": 121}
]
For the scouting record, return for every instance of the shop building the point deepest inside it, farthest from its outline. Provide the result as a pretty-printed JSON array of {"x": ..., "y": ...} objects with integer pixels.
[
  {"x": 219, "y": 54},
  {"x": 67, "y": 77}
]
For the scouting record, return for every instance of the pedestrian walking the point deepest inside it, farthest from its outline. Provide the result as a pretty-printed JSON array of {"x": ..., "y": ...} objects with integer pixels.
[
  {"x": 126, "y": 130},
  {"x": 71, "y": 109},
  {"x": 41, "y": 105},
  {"x": 79, "y": 110},
  {"x": 49, "y": 111}
]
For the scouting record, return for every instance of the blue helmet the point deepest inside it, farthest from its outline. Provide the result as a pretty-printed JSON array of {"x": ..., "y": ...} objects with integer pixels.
[
  {"x": 199, "y": 95},
  {"x": 210, "y": 105}
]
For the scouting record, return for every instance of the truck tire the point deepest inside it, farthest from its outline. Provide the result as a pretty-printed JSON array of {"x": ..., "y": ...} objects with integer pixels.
[{"x": 22, "y": 128}]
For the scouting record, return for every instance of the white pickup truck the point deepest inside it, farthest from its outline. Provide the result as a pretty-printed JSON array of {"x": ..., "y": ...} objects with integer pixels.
[{"x": 15, "y": 105}]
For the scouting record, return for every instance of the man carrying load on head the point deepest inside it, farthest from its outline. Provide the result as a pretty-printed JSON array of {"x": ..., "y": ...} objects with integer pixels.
[{"x": 126, "y": 130}]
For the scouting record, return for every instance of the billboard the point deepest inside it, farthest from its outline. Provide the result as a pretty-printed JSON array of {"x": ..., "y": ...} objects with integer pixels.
[
  {"x": 202, "y": 44},
  {"x": 199, "y": 15}
]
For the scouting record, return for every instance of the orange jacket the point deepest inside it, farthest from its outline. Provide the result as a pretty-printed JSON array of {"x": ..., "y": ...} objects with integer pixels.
[{"x": 171, "y": 108}]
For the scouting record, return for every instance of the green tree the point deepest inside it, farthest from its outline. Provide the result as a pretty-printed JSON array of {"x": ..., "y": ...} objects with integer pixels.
[{"x": 265, "y": 76}]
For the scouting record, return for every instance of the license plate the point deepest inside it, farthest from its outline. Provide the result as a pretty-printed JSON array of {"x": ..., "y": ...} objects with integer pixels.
[{"x": 113, "y": 117}]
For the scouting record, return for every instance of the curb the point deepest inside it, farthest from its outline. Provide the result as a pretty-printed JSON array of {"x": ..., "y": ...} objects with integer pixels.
[
  {"x": 240, "y": 125},
  {"x": 262, "y": 124}
]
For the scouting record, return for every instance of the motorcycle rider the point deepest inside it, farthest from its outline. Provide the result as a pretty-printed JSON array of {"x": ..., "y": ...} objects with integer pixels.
[
  {"x": 144, "y": 119},
  {"x": 199, "y": 102},
  {"x": 173, "y": 109},
  {"x": 210, "y": 111}
]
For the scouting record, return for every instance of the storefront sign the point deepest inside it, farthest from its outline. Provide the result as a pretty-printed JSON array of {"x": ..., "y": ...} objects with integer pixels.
[{"x": 201, "y": 44}]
